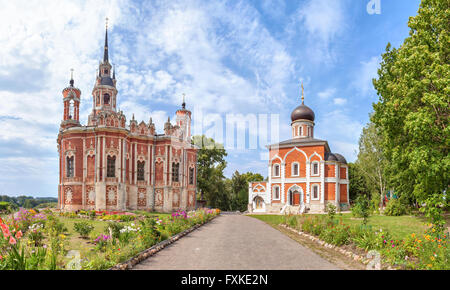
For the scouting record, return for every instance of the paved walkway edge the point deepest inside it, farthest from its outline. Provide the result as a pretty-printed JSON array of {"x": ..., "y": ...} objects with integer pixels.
[
  {"x": 127, "y": 265},
  {"x": 347, "y": 253}
]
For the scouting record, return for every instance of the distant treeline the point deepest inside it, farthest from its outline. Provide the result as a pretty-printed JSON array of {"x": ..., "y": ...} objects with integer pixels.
[{"x": 28, "y": 201}]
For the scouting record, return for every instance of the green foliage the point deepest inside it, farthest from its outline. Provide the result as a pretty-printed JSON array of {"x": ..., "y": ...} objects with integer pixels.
[
  {"x": 331, "y": 211},
  {"x": 220, "y": 192},
  {"x": 371, "y": 163},
  {"x": 357, "y": 181},
  {"x": 413, "y": 109},
  {"x": 54, "y": 226},
  {"x": 433, "y": 209},
  {"x": 83, "y": 228},
  {"x": 113, "y": 229},
  {"x": 395, "y": 207},
  {"x": 361, "y": 208}
]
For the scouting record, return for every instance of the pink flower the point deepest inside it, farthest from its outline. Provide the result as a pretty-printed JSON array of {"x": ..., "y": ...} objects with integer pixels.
[
  {"x": 12, "y": 241},
  {"x": 19, "y": 234}
]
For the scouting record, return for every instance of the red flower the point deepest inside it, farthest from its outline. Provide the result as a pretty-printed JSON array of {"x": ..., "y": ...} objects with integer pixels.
[{"x": 12, "y": 241}]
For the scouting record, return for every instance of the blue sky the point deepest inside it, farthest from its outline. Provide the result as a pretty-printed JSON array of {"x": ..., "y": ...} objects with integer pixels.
[{"x": 241, "y": 57}]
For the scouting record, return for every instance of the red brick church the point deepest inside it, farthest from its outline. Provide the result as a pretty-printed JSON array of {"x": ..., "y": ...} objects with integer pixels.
[
  {"x": 303, "y": 174},
  {"x": 111, "y": 165}
]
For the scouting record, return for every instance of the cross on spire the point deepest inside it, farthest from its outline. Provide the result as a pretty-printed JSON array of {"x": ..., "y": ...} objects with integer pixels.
[
  {"x": 303, "y": 95},
  {"x": 183, "y": 105},
  {"x": 71, "y": 77}
]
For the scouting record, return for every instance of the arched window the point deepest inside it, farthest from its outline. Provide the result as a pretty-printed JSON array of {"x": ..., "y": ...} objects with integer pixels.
[
  {"x": 191, "y": 175},
  {"x": 276, "y": 170},
  {"x": 106, "y": 99},
  {"x": 175, "y": 172},
  {"x": 111, "y": 166},
  {"x": 141, "y": 170},
  {"x": 300, "y": 130},
  {"x": 315, "y": 191},
  {"x": 70, "y": 167},
  {"x": 315, "y": 168},
  {"x": 295, "y": 169},
  {"x": 276, "y": 192},
  {"x": 71, "y": 109}
]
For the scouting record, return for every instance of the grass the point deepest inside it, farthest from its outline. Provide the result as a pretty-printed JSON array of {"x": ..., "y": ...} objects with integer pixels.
[{"x": 399, "y": 227}]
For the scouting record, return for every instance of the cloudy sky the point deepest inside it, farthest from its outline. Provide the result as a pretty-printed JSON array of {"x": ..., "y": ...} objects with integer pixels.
[{"x": 228, "y": 57}]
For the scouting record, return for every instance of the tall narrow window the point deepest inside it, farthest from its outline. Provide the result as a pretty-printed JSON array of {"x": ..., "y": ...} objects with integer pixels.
[
  {"x": 276, "y": 170},
  {"x": 111, "y": 167},
  {"x": 191, "y": 175},
  {"x": 106, "y": 98},
  {"x": 315, "y": 192},
  {"x": 295, "y": 169},
  {"x": 276, "y": 194},
  {"x": 300, "y": 131},
  {"x": 175, "y": 172},
  {"x": 141, "y": 170},
  {"x": 70, "y": 161},
  {"x": 315, "y": 168}
]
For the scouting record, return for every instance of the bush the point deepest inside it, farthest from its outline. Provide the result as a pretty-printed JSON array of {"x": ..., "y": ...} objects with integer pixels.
[
  {"x": 361, "y": 208},
  {"x": 83, "y": 228},
  {"x": 54, "y": 226},
  {"x": 113, "y": 229},
  {"x": 395, "y": 208}
]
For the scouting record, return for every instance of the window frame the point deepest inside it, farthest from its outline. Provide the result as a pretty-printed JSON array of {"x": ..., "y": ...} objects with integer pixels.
[
  {"x": 274, "y": 171},
  {"x": 191, "y": 175},
  {"x": 141, "y": 170},
  {"x": 109, "y": 167},
  {"x": 298, "y": 169},
  {"x": 275, "y": 187},
  {"x": 175, "y": 167},
  {"x": 312, "y": 168},
  {"x": 70, "y": 166},
  {"x": 313, "y": 186}
]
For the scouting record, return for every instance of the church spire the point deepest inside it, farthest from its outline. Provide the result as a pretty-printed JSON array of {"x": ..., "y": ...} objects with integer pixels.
[
  {"x": 183, "y": 105},
  {"x": 105, "y": 54},
  {"x": 71, "y": 77}
]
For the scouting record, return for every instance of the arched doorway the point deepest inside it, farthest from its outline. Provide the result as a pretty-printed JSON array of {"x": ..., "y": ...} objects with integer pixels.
[
  {"x": 258, "y": 204},
  {"x": 295, "y": 196}
]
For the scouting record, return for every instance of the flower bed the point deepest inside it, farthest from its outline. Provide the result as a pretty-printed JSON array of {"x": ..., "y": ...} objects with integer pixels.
[
  {"x": 30, "y": 240},
  {"x": 427, "y": 251}
]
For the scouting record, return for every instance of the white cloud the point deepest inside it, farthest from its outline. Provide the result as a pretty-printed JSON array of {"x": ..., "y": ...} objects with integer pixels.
[
  {"x": 366, "y": 73},
  {"x": 339, "y": 101},
  {"x": 322, "y": 21},
  {"x": 327, "y": 93}
]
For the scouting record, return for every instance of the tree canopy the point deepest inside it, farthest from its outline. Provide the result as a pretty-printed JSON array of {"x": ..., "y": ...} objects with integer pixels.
[{"x": 412, "y": 114}]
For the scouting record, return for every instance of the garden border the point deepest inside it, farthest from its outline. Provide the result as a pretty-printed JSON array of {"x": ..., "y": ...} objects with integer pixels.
[
  {"x": 130, "y": 263},
  {"x": 347, "y": 253}
]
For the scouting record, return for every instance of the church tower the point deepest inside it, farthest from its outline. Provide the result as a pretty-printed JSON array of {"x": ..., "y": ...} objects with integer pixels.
[
  {"x": 184, "y": 121},
  {"x": 104, "y": 92},
  {"x": 71, "y": 99},
  {"x": 302, "y": 120}
]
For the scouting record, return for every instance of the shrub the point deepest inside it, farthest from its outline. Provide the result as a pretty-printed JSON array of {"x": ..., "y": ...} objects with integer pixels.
[
  {"x": 331, "y": 209},
  {"x": 361, "y": 208},
  {"x": 83, "y": 228},
  {"x": 113, "y": 228},
  {"x": 395, "y": 208},
  {"x": 54, "y": 226}
]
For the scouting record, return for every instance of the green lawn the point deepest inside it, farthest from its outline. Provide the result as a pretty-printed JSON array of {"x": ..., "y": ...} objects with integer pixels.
[{"x": 399, "y": 227}]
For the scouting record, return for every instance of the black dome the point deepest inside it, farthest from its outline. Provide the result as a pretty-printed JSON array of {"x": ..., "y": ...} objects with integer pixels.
[
  {"x": 302, "y": 112},
  {"x": 107, "y": 81},
  {"x": 340, "y": 158},
  {"x": 330, "y": 157}
]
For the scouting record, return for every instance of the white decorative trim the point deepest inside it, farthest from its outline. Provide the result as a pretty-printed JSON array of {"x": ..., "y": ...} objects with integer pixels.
[{"x": 294, "y": 149}]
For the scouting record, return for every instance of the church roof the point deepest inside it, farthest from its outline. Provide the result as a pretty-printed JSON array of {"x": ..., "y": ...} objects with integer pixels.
[{"x": 301, "y": 142}]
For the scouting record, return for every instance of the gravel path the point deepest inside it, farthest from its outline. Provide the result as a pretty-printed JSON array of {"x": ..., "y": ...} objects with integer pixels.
[{"x": 235, "y": 242}]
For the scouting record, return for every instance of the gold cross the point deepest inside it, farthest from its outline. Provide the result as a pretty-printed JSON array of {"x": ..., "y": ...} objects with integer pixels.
[{"x": 303, "y": 94}]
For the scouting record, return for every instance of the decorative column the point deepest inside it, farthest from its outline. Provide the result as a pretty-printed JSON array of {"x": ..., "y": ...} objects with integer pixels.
[
  {"x": 282, "y": 170},
  {"x": 322, "y": 181},
  {"x": 308, "y": 176}
]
